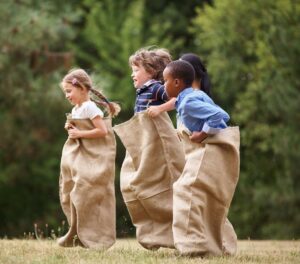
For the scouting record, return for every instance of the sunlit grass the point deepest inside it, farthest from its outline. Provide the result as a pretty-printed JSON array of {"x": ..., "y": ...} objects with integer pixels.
[{"x": 129, "y": 251}]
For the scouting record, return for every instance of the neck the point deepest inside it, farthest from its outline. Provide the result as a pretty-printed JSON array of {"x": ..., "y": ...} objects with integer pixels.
[
  {"x": 150, "y": 81},
  {"x": 183, "y": 88},
  {"x": 196, "y": 85},
  {"x": 84, "y": 99}
]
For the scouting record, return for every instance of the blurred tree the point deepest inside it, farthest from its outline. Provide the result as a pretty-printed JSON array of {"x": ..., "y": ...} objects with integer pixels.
[
  {"x": 253, "y": 52},
  {"x": 31, "y": 111},
  {"x": 178, "y": 18}
]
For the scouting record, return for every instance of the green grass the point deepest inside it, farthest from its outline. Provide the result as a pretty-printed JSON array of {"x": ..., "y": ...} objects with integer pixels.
[{"x": 129, "y": 251}]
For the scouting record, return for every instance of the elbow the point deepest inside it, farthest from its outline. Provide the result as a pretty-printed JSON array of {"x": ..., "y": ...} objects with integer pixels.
[
  {"x": 227, "y": 118},
  {"x": 102, "y": 132}
]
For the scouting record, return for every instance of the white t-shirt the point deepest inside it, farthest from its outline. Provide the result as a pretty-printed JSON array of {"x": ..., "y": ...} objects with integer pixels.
[{"x": 88, "y": 109}]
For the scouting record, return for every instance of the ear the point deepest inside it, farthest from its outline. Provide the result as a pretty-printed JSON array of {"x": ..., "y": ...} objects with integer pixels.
[
  {"x": 82, "y": 90},
  {"x": 176, "y": 82}
]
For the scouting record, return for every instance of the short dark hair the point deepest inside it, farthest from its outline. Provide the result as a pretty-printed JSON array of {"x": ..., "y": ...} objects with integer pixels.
[{"x": 182, "y": 70}]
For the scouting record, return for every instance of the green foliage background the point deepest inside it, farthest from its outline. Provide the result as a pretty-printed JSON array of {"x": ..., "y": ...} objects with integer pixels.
[{"x": 251, "y": 49}]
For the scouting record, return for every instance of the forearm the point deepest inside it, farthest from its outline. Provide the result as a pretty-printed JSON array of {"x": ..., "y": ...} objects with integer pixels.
[
  {"x": 93, "y": 133},
  {"x": 154, "y": 111},
  {"x": 198, "y": 136},
  {"x": 168, "y": 106}
]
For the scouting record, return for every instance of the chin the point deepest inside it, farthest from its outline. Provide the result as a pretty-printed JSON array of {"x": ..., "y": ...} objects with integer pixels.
[{"x": 170, "y": 95}]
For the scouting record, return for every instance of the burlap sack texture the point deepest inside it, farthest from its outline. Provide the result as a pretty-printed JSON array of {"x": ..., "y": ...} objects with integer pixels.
[
  {"x": 203, "y": 194},
  {"x": 86, "y": 187},
  {"x": 154, "y": 161}
]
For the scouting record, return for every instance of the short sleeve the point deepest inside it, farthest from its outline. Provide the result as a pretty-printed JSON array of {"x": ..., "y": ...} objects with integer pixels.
[
  {"x": 160, "y": 93},
  {"x": 93, "y": 110}
]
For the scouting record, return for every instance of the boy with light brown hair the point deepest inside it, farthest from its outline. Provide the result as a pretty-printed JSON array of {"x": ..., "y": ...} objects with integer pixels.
[{"x": 154, "y": 156}]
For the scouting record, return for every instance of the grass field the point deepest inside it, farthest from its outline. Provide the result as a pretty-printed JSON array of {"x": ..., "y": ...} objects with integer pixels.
[{"x": 129, "y": 251}]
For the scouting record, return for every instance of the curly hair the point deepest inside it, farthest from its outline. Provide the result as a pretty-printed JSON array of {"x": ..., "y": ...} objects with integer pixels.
[{"x": 154, "y": 61}]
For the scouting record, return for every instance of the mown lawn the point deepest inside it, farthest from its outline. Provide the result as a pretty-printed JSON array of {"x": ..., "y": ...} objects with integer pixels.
[{"x": 129, "y": 251}]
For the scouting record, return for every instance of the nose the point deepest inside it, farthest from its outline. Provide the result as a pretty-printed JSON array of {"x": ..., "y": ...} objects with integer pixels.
[{"x": 132, "y": 75}]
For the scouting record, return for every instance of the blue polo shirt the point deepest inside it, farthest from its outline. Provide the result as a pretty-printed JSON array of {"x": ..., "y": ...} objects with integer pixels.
[
  {"x": 151, "y": 93},
  {"x": 198, "y": 112}
]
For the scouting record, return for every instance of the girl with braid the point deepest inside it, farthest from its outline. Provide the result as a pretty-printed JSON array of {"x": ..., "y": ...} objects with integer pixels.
[
  {"x": 86, "y": 183},
  {"x": 77, "y": 84}
]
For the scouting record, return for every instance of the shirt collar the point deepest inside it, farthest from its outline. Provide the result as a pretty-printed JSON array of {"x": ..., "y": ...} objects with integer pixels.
[
  {"x": 145, "y": 86},
  {"x": 185, "y": 92},
  {"x": 83, "y": 103},
  {"x": 182, "y": 94}
]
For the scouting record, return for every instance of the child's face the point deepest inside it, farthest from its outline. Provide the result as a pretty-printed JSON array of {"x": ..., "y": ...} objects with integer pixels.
[
  {"x": 172, "y": 85},
  {"x": 75, "y": 95},
  {"x": 139, "y": 76}
]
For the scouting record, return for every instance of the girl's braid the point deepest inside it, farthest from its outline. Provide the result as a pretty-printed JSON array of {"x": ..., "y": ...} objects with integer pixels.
[{"x": 113, "y": 107}]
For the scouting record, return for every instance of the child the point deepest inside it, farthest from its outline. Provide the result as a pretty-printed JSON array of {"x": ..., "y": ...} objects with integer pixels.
[
  {"x": 201, "y": 81},
  {"x": 204, "y": 191},
  {"x": 147, "y": 67},
  {"x": 154, "y": 156},
  {"x": 88, "y": 166}
]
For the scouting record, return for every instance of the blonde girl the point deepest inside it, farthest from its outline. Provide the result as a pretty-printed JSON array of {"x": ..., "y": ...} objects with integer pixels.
[
  {"x": 88, "y": 165},
  {"x": 77, "y": 86}
]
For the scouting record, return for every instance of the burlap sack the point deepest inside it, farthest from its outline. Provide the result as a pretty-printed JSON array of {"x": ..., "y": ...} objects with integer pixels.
[
  {"x": 87, "y": 193},
  {"x": 203, "y": 194},
  {"x": 154, "y": 161},
  {"x": 229, "y": 239}
]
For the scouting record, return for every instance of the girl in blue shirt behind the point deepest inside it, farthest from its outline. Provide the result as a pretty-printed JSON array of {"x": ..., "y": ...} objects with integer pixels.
[{"x": 202, "y": 80}]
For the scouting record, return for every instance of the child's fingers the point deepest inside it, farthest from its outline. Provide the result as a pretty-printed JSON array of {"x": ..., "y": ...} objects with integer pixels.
[
  {"x": 149, "y": 112},
  {"x": 198, "y": 136},
  {"x": 152, "y": 112},
  {"x": 71, "y": 132},
  {"x": 66, "y": 126},
  {"x": 69, "y": 126}
]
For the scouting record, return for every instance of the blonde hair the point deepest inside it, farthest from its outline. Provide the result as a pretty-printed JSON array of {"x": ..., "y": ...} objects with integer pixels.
[
  {"x": 154, "y": 61},
  {"x": 80, "y": 79}
]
